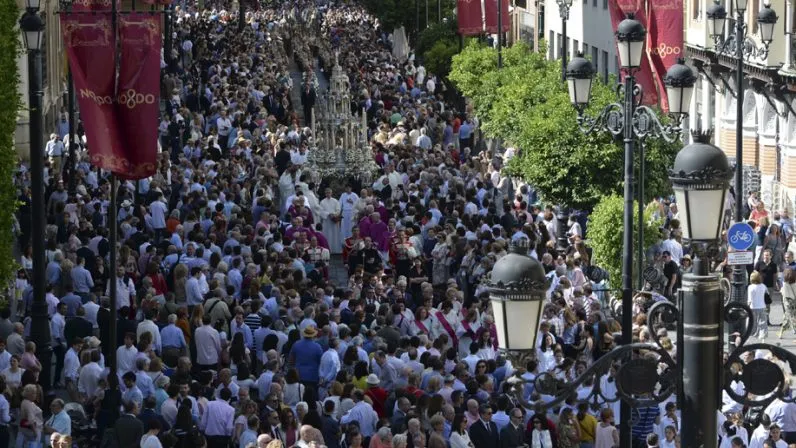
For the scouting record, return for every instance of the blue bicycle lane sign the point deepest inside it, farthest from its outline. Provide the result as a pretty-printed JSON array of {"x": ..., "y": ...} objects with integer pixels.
[{"x": 740, "y": 236}]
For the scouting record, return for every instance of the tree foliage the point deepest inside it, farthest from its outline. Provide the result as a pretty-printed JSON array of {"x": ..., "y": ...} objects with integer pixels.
[
  {"x": 9, "y": 108},
  {"x": 411, "y": 14},
  {"x": 605, "y": 234},
  {"x": 527, "y": 105}
]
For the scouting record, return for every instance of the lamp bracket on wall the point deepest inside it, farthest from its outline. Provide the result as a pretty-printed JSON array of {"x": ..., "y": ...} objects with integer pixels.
[
  {"x": 783, "y": 94},
  {"x": 711, "y": 71}
]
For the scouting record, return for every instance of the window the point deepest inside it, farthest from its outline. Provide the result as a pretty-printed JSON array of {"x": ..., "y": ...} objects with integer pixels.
[
  {"x": 699, "y": 106},
  {"x": 585, "y": 49},
  {"x": 569, "y": 47},
  {"x": 551, "y": 45},
  {"x": 576, "y": 47},
  {"x": 595, "y": 53},
  {"x": 45, "y": 53},
  {"x": 605, "y": 67},
  {"x": 521, "y": 4},
  {"x": 560, "y": 46},
  {"x": 696, "y": 9},
  {"x": 753, "y": 8},
  {"x": 594, "y": 3},
  {"x": 605, "y": 4}
]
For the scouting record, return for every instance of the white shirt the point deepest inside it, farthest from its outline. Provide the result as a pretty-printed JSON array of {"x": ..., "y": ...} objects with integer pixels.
[
  {"x": 88, "y": 379},
  {"x": 71, "y": 364},
  {"x": 674, "y": 248},
  {"x": 208, "y": 345},
  {"x": 224, "y": 125},
  {"x": 125, "y": 359},
  {"x": 158, "y": 210},
  {"x": 91, "y": 309},
  {"x": 148, "y": 326},
  {"x": 150, "y": 441},
  {"x": 363, "y": 413},
  {"x": 57, "y": 324},
  {"x": 124, "y": 291}
]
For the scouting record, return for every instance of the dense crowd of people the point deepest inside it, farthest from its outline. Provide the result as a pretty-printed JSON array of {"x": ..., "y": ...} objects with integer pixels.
[{"x": 233, "y": 327}]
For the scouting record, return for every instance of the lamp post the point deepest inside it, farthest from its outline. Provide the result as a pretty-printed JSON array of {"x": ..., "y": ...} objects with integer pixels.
[
  {"x": 700, "y": 179},
  {"x": 563, "y": 12},
  {"x": 740, "y": 46},
  {"x": 500, "y": 32},
  {"x": 561, "y": 210},
  {"x": 646, "y": 374},
  {"x": 32, "y": 28},
  {"x": 630, "y": 120}
]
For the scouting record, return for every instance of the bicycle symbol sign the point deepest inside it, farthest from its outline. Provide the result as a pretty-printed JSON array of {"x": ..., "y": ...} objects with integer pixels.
[{"x": 740, "y": 236}]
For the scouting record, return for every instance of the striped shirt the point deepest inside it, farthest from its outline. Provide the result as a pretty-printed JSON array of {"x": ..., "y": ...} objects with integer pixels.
[{"x": 645, "y": 421}]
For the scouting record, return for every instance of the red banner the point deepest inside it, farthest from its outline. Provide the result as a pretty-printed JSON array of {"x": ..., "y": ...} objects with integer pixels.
[
  {"x": 138, "y": 100},
  {"x": 644, "y": 76},
  {"x": 468, "y": 13},
  {"x": 491, "y": 14},
  {"x": 91, "y": 45},
  {"x": 665, "y": 40}
]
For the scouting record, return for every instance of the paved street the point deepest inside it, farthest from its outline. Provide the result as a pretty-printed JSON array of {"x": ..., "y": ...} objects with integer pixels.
[{"x": 788, "y": 340}]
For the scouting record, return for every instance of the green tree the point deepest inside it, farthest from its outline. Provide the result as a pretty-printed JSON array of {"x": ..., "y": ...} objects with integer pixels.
[
  {"x": 9, "y": 108},
  {"x": 411, "y": 14},
  {"x": 528, "y": 106},
  {"x": 605, "y": 235}
]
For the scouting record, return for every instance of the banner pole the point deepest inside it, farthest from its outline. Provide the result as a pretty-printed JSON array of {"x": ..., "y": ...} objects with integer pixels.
[
  {"x": 70, "y": 84},
  {"x": 112, "y": 210}
]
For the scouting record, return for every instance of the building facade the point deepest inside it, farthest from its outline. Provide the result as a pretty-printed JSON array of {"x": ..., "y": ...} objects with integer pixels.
[
  {"x": 768, "y": 96},
  {"x": 54, "y": 77},
  {"x": 589, "y": 31}
]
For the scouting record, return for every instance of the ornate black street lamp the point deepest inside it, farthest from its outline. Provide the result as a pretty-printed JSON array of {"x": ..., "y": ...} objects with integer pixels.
[
  {"x": 563, "y": 12},
  {"x": 740, "y": 46},
  {"x": 646, "y": 374},
  {"x": 632, "y": 121},
  {"x": 32, "y": 27}
]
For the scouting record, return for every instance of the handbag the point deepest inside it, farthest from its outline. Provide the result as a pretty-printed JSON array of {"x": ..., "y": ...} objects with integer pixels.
[{"x": 767, "y": 298}]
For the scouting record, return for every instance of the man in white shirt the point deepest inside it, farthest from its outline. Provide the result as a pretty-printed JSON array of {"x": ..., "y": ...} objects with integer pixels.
[
  {"x": 125, "y": 355},
  {"x": 193, "y": 290},
  {"x": 148, "y": 326},
  {"x": 224, "y": 126},
  {"x": 158, "y": 209},
  {"x": 92, "y": 308},
  {"x": 208, "y": 345},
  {"x": 363, "y": 413},
  {"x": 55, "y": 152},
  {"x": 125, "y": 290},
  {"x": 674, "y": 248},
  {"x": 88, "y": 379},
  {"x": 71, "y": 367}
]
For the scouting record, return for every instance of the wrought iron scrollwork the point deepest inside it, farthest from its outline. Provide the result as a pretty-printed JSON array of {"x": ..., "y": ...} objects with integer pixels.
[
  {"x": 747, "y": 49},
  {"x": 760, "y": 381},
  {"x": 645, "y": 122},
  {"x": 640, "y": 381},
  {"x": 662, "y": 314}
]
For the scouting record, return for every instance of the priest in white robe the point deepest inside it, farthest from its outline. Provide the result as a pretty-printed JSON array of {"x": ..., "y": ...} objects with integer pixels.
[
  {"x": 348, "y": 200},
  {"x": 330, "y": 213}
]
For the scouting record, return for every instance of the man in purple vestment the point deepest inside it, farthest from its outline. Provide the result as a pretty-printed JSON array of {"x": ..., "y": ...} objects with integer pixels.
[
  {"x": 378, "y": 230},
  {"x": 364, "y": 226}
]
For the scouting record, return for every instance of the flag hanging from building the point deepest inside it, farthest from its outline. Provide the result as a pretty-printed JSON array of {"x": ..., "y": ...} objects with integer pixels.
[
  {"x": 469, "y": 16},
  {"x": 138, "y": 99},
  {"x": 644, "y": 76},
  {"x": 491, "y": 13},
  {"x": 664, "y": 40},
  {"x": 91, "y": 46}
]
